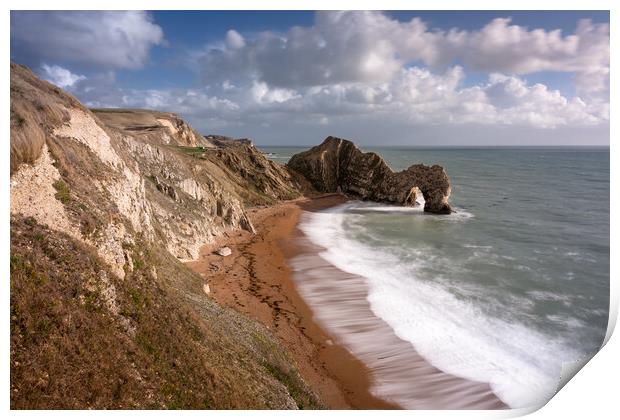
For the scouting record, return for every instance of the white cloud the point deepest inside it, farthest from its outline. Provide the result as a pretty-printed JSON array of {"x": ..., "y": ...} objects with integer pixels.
[
  {"x": 356, "y": 69},
  {"x": 415, "y": 96},
  {"x": 226, "y": 85},
  {"x": 60, "y": 76},
  {"x": 105, "y": 39},
  {"x": 262, "y": 94},
  {"x": 102, "y": 91},
  {"x": 329, "y": 52},
  {"x": 503, "y": 47},
  {"x": 419, "y": 96},
  {"x": 353, "y": 67},
  {"x": 370, "y": 47},
  {"x": 517, "y": 103},
  {"x": 234, "y": 40}
]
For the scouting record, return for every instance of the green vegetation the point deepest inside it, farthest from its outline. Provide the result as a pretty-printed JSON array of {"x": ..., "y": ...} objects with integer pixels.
[
  {"x": 196, "y": 152},
  {"x": 138, "y": 263},
  {"x": 294, "y": 385},
  {"x": 62, "y": 191}
]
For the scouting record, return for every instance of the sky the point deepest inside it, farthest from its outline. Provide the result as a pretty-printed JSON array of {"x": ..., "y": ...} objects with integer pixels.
[{"x": 394, "y": 78}]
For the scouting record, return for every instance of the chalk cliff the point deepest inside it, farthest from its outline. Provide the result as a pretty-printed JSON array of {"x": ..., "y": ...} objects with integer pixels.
[{"x": 104, "y": 205}]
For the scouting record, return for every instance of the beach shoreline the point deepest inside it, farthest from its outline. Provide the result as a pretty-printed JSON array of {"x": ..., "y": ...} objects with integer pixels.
[
  {"x": 262, "y": 279},
  {"x": 256, "y": 281}
]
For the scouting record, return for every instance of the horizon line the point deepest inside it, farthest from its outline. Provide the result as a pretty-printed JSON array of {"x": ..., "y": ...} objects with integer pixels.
[{"x": 508, "y": 146}]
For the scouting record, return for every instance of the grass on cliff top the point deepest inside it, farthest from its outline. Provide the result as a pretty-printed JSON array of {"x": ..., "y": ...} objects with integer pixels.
[{"x": 195, "y": 152}]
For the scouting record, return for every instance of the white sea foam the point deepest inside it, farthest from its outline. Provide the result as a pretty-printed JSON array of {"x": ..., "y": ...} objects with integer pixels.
[
  {"x": 568, "y": 322},
  {"x": 548, "y": 296},
  {"x": 459, "y": 214},
  {"x": 521, "y": 364},
  {"x": 387, "y": 209}
]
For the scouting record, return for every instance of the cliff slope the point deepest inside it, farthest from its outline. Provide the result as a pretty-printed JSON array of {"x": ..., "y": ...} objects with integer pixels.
[
  {"x": 156, "y": 126},
  {"x": 337, "y": 165},
  {"x": 103, "y": 313}
]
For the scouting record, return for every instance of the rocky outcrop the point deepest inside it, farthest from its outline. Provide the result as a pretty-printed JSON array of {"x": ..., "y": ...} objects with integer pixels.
[
  {"x": 81, "y": 162},
  {"x": 224, "y": 141},
  {"x": 337, "y": 165},
  {"x": 224, "y": 251},
  {"x": 255, "y": 178},
  {"x": 154, "y": 126}
]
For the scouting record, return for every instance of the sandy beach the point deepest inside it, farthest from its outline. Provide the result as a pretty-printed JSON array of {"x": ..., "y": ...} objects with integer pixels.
[{"x": 347, "y": 355}]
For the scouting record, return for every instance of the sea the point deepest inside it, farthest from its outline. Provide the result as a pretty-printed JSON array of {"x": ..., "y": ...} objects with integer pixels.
[{"x": 506, "y": 290}]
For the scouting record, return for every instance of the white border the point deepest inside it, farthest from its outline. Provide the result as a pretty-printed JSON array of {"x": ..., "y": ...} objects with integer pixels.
[{"x": 592, "y": 393}]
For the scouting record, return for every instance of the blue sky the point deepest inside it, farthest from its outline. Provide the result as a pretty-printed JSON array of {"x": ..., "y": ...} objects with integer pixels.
[{"x": 287, "y": 77}]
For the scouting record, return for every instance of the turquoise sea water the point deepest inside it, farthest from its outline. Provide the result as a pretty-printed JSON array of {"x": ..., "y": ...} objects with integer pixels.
[{"x": 505, "y": 290}]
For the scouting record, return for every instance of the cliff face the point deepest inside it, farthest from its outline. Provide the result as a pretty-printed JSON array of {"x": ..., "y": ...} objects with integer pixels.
[
  {"x": 225, "y": 141},
  {"x": 149, "y": 167},
  {"x": 256, "y": 179},
  {"x": 104, "y": 204},
  {"x": 337, "y": 165},
  {"x": 154, "y": 126}
]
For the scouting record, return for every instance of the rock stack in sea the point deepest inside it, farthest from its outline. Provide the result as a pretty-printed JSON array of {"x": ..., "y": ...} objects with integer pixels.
[{"x": 337, "y": 165}]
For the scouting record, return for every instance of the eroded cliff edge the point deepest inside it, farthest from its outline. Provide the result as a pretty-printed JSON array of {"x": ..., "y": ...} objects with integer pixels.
[
  {"x": 104, "y": 205},
  {"x": 337, "y": 165}
]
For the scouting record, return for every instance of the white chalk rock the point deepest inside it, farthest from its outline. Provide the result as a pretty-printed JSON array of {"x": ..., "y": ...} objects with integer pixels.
[
  {"x": 206, "y": 288},
  {"x": 224, "y": 252}
]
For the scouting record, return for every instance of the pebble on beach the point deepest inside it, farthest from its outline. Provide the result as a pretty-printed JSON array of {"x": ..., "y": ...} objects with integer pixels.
[{"x": 224, "y": 252}]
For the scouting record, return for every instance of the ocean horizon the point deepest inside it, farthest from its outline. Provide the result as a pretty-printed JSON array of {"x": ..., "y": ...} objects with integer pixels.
[{"x": 443, "y": 147}]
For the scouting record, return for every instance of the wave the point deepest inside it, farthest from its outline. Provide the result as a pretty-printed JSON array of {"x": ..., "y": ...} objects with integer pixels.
[
  {"x": 452, "y": 331},
  {"x": 362, "y": 207}
]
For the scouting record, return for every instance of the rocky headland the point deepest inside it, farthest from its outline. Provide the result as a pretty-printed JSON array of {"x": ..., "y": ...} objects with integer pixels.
[{"x": 338, "y": 165}]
